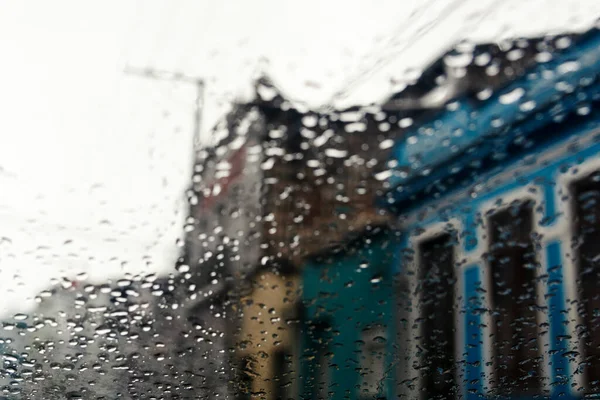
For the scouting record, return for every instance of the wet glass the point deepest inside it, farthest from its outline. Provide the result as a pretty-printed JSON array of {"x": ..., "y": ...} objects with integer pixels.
[{"x": 305, "y": 200}]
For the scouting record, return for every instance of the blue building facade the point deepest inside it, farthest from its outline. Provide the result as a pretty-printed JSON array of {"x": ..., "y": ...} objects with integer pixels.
[{"x": 491, "y": 272}]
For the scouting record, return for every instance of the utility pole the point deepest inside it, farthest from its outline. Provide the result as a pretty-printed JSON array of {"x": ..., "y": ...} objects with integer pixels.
[{"x": 178, "y": 77}]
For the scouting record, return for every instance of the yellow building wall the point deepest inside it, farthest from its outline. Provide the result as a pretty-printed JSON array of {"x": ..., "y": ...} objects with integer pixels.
[{"x": 268, "y": 326}]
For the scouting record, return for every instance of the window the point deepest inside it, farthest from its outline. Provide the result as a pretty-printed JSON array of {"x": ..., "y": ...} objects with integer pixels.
[
  {"x": 402, "y": 344},
  {"x": 512, "y": 264},
  {"x": 283, "y": 368},
  {"x": 286, "y": 363},
  {"x": 246, "y": 376},
  {"x": 322, "y": 386},
  {"x": 317, "y": 385},
  {"x": 200, "y": 204},
  {"x": 586, "y": 207},
  {"x": 437, "y": 284},
  {"x": 373, "y": 363}
]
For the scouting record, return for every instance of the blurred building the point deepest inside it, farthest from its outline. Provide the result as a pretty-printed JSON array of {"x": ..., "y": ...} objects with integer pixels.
[
  {"x": 471, "y": 294},
  {"x": 284, "y": 234},
  {"x": 281, "y": 186}
]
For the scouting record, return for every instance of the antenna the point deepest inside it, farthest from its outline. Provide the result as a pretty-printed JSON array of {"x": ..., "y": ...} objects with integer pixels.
[
  {"x": 198, "y": 105},
  {"x": 178, "y": 77}
]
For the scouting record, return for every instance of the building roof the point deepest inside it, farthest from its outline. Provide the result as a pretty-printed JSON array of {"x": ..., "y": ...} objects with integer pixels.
[
  {"x": 470, "y": 129},
  {"x": 472, "y": 81}
]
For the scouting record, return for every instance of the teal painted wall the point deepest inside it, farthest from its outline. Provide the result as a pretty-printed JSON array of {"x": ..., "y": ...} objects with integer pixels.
[{"x": 343, "y": 295}]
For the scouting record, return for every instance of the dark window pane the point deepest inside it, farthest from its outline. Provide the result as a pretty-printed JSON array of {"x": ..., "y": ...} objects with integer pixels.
[
  {"x": 437, "y": 279},
  {"x": 321, "y": 378},
  {"x": 246, "y": 374},
  {"x": 317, "y": 360},
  {"x": 403, "y": 347},
  {"x": 283, "y": 370},
  {"x": 512, "y": 263},
  {"x": 586, "y": 206}
]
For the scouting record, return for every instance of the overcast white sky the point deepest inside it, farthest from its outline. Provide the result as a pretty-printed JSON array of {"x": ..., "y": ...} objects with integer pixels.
[{"x": 93, "y": 162}]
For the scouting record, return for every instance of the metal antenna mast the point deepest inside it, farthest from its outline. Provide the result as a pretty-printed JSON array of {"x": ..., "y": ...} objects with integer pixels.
[
  {"x": 198, "y": 105},
  {"x": 178, "y": 77}
]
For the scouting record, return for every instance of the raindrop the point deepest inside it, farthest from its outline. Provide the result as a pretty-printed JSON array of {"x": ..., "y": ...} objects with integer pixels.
[
  {"x": 512, "y": 96},
  {"x": 405, "y": 123},
  {"x": 183, "y": 268},
  {"x": 20, "y": 317},
  {"x": 386, "y": 144},
  {"x": 379, "y": 339}
]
